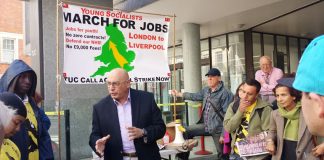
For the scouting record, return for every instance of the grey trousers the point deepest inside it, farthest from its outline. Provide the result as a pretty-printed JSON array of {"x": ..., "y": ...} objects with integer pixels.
[{"x": 199, "y": 130}]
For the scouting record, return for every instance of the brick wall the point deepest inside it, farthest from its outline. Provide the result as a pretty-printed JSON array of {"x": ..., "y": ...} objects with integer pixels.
[
  {"x": 11, "y": 20},
  {"x": 11, "y": 17}
]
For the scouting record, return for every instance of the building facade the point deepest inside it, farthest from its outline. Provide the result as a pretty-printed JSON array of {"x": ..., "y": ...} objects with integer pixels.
[
  {"x": 12, "y": 36},
  {"x": 228, "y": 34}
]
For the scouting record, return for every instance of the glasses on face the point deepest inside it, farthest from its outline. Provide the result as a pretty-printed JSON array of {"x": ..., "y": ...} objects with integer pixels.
[{"x": 115, "y": 84}]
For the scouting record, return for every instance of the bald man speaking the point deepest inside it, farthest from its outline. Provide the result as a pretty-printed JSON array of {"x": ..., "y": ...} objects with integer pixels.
[{"x": 127, "y": 123}]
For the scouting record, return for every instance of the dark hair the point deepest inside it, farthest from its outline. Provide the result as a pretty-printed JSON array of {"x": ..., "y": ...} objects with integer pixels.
[
  {"x": 255, "y": 83},
  {"x": 237, "y": 98},
  {"x": 238, "y": 90},
  {"x": 293, "y": 92},
  {"x": 13, "y": 101}
]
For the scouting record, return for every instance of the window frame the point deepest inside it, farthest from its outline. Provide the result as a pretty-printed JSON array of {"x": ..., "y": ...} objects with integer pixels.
[{"x": 9, "y": 36}]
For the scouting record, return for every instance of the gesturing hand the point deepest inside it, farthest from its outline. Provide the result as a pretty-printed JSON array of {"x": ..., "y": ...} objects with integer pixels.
[
  {"x": 176, "y": 93},
  {"x": 134, "y": 133},
  {"x": 100, "y": 144}
]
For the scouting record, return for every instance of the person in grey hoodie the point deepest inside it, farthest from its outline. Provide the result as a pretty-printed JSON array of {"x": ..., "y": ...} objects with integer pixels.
[{"x": 216, "y": 99}]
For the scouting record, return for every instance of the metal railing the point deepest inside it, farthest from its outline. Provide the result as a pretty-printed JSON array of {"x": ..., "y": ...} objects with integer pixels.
[{"x": 54, "y": 132}]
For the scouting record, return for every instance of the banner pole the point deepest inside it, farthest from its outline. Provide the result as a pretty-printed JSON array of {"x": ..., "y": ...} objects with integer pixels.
[
  {"x": 174, "y": 70},
  {"x": 58, "y": 77}
]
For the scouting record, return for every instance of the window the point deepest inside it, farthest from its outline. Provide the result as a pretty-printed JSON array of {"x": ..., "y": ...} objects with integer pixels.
[
  {"x": 280, "y": 59},
  {"x": 178, "y": 55},
  {"x": 219, "y": 54},
  {"x": 283, "y": 50},
  {"x": 257, "y": 50},
  {"x": 268, "y": 45},
  {"x": 236, "y": 60},
  {"x": 204, "y": 49},
  {"x": 293, "y": 54},
  {"x": 8, "y": 50},
  {"x": 303, "y": 45}
]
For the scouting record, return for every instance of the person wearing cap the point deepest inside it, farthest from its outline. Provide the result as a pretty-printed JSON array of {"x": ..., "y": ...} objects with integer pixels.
[
  {"x": 251, "y": 117},
  {"x": 267, "y": 76},
  {"x": 288, "y": 136},
  {"x": 310, "y": 80},
  {"x": 215, "y": 99},
  {"x": 12, "y": 114}
]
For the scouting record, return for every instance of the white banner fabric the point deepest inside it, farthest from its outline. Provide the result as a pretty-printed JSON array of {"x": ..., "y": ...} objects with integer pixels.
[{"x": 97, "y": 41}]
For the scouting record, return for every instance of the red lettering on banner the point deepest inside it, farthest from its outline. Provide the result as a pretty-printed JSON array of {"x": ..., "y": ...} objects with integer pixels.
[
  {"x": 65, "y": 5},
  {"x": 92, "y": 12}
]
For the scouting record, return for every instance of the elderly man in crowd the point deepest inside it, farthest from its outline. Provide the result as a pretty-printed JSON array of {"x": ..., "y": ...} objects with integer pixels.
[
  {"x": 267, "y": 76},
  {"x": 215, "y": 99}
]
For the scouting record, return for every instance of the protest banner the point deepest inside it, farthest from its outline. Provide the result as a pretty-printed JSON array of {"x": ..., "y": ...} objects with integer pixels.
[
  {"x": 97, "y": 41},
  {"x": 252, "y": 145}
]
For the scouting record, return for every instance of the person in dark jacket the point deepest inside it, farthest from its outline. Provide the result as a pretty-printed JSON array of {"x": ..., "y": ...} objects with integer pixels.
[
  {"x": 12, "y": 114},
  {"x": 127, "y": 123},
  {"x": 45, "y": 143},
  {"x": 21, "y": 79}
]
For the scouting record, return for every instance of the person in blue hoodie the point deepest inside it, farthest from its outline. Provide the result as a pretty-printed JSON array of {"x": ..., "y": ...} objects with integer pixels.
[
  {"x": 21, "y": 79},
  {"x": 45, "y": 143}
]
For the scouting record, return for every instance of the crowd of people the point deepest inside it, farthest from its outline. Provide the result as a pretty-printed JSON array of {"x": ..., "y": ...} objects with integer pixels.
[
  {"x": 290, "y": 111},
  {"x": 268, "y": 106},
  {"x": 127, "y": 123},
  {"x": 25, "y": 124}
]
